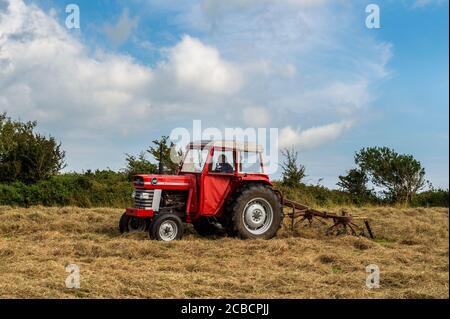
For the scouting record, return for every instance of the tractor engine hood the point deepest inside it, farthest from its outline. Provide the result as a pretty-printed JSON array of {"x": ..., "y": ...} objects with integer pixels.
[{"x": 175, "y": 182}]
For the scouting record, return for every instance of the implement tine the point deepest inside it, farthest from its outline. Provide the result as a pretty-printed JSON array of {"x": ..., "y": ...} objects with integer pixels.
[
  {"x": 353, "y": 231},
  {"x": 369, "y": 229}
]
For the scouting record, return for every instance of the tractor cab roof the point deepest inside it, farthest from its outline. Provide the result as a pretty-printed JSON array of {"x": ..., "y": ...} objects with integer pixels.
[{"x": 228, "y": 144}]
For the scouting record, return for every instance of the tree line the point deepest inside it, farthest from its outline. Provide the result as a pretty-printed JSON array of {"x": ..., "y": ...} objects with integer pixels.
[
  {"x": 31, "y": 164},
  {"x": 399, "y": 177}
]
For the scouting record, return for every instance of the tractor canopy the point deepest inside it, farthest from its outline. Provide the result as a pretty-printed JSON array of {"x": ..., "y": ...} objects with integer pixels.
[{"x": 223, "y": 157}]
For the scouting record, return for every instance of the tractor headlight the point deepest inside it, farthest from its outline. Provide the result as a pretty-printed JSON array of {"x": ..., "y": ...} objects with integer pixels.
[{"x": 133, "y": 195}]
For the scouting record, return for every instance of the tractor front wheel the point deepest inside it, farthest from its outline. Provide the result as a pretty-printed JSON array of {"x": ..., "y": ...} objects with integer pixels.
[
  {"x": 132, "y": 224},
  {"x": 257, "y": 213},
  {"x": 167, "y": 227}
]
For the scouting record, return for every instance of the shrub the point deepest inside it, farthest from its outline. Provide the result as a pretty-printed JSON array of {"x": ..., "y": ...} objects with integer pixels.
[
  {"x": 431, "y": 198},
  {"x": 25, "y": 155},
  {"x": 102, "y": 188}
]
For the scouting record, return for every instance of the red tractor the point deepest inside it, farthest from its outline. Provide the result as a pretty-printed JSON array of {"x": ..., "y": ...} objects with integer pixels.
[{"x": 219, "y": 186}]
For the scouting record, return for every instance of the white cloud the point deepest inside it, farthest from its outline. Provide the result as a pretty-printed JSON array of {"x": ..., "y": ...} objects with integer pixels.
[
  {"x": 196, "y": 65},
  {"x": 48, "y": 74},
  {"x": 312, "y": 137}
]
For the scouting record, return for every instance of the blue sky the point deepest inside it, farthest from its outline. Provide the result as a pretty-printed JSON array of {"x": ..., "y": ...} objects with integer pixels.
[{"x": 137, "y": 69}]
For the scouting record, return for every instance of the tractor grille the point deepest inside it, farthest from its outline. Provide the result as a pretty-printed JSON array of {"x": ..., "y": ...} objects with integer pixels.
[{"x": 143, "y": 198}]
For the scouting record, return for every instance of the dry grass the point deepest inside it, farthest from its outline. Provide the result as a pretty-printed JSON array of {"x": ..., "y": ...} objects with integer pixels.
[{"x": 412, "y": 251}]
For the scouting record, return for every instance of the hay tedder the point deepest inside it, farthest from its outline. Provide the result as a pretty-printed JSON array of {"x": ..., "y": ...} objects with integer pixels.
[
  {"x": 221, "y": 187},
  {"x": 342, "y": 224}
]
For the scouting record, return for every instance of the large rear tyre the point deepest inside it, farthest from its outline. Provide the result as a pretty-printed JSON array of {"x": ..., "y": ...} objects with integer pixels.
[
  {"x": 204, "y": 228},
  {"x": 167, "y": 227},
  {"x": 257, "y": 213}
]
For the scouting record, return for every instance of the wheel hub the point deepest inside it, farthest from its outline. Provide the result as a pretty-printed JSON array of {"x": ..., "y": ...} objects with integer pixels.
[
  {"x": 168, "y": 230},
  {"x": 258, "y": 216},
  {"x": 255, "y": 215}
]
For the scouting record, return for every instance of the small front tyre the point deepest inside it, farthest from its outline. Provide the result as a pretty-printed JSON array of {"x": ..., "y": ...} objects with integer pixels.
[
  {"x": 132, "y": 224},
  {"x": 167, "y": 227},
  {"x": 123, "y": 223}
]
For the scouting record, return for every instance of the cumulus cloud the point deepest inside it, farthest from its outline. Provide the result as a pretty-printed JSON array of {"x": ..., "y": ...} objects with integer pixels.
[
  {"x": 312, "y": 137},
  {"x": 49, "y": 75},
  {"x": 196, "y": 65}
]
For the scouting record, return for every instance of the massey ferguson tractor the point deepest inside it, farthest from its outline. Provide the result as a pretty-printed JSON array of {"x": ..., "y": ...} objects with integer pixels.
[{"x": 219, "y": 186}]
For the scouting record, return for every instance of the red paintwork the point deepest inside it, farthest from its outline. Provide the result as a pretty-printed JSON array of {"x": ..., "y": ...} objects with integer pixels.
[
  {"x": 144, "y": 213},
  {"x": 207, "y": 190},
  {"x": 169, "y": 182},
  {"x": 215, "y": 189}
]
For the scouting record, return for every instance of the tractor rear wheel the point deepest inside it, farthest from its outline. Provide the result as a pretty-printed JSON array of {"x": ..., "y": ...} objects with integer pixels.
[
  {"x": 257, "y": 213},
  {"x": 167, "y": 227},
  {"x": 204, "y": 228}
]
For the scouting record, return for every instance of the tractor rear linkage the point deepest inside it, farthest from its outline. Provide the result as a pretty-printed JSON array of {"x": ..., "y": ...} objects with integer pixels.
[{"x": 342, "y": 224}]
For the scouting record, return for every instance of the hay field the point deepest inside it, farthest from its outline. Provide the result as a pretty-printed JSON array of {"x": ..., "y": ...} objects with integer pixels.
[{"x": 411, "y": 250}]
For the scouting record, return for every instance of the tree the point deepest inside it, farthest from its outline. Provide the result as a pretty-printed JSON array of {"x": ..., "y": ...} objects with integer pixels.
[
  {"x": 166, "y": 155},
  {"x": 401, "y": 175},
  {"x": 25, "y": 155},
  {"x": 139, "y": 165},
  {"x": 355, "y": 183},
  {"x": 293, "y": 173},
  {"x": 163, "y": 153}
]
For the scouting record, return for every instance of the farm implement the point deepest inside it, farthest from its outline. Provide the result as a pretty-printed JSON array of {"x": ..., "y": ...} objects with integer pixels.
[
  {"x": 220, "y": 186},
  {"x": 342, "y": 224}
]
